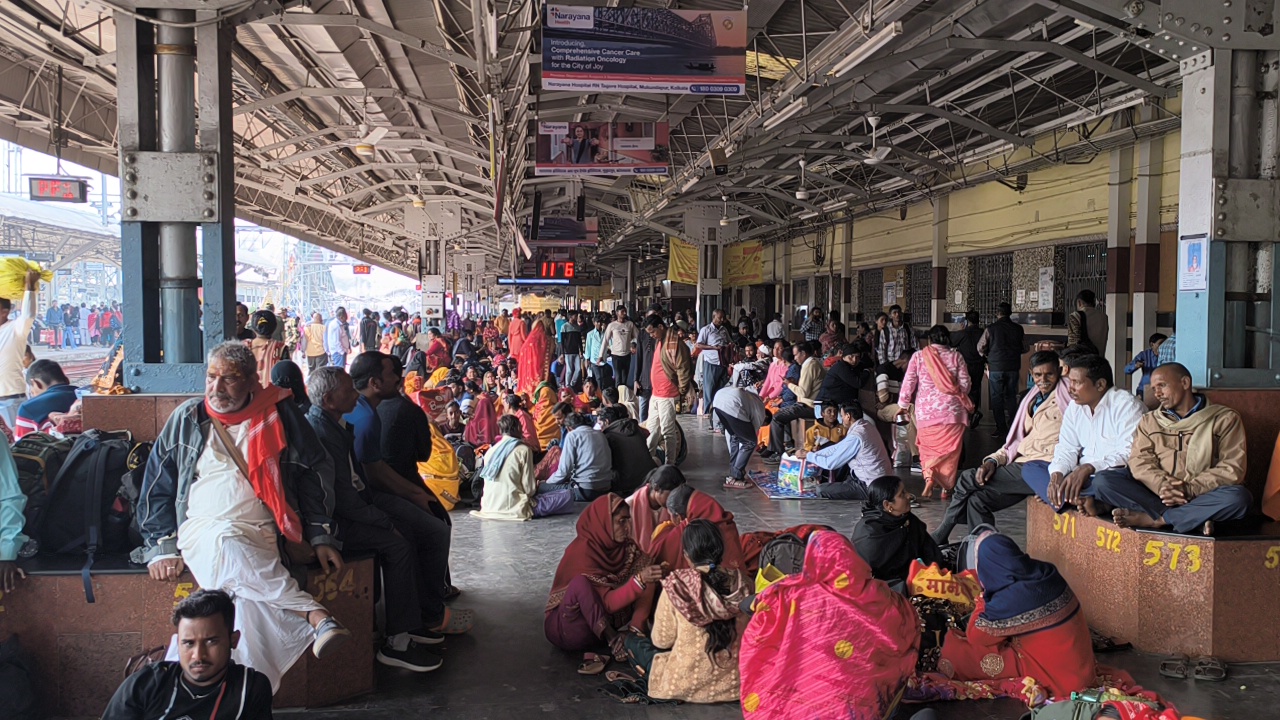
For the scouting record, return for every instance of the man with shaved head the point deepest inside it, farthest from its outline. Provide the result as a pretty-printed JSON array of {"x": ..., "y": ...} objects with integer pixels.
[{"x": 1186, "y": 468}]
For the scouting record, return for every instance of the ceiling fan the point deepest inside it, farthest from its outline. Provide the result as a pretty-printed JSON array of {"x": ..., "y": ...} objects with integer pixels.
[
  {"x": 418, "y": 200},
  {"x": 802, "y": 192},
  {"x": 878, "y": 153},
  {"x": 365, "y": 143},
  {"x": 725, "y": 220}
]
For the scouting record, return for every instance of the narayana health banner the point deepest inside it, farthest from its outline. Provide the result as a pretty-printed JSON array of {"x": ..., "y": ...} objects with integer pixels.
[
  {"x": 601, "y": 148},
  {"x": 644, "y": 50}
]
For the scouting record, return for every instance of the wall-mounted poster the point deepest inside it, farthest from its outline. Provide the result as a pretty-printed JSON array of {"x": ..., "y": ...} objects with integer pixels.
[
  {"x": 644, "y": 50},
  {"x": 890, "y": 294},
  {"x": 601, "y": 148},
  {"x": 1045, "y": 301},
  {"x": 1193, "y": 263},
  {"x": 743, "y": 264},
  {"x": 682, "y": 262}
]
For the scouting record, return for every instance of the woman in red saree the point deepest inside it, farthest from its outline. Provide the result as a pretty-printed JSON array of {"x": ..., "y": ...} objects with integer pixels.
[
  {"x": 649, "y": 504},
  {"x": 685, "y": 505},
  {"x": 482, "y": 428},
  {"x": 437, "y": 351},
  {"x": 937, "y": 384},
  {"x": 603, "y": 583},
  {"x": 533, "y": 364},
  {"x": 1027, "y": 623},
  {"x": 830, "y": 642},
  {"x": 516, "y": 334}
]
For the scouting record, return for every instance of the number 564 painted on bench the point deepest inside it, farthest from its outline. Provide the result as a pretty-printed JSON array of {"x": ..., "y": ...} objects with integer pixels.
[{"x": 1155, "y": 553}]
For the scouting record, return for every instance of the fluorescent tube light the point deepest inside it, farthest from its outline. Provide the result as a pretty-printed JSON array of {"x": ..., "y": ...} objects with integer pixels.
[
  {"x": 838, "y": 205},
  {"x": 786, "y": 113},
  {"x": 808, "y": 215},
  {"x": 868, "y": 48}
]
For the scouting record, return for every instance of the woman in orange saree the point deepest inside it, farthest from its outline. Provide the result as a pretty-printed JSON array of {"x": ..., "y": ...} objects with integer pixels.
[
  {"x": 828, "y": 642},
  {"x": 534, "y": 361},
  {"x": 545, "y": 398}
]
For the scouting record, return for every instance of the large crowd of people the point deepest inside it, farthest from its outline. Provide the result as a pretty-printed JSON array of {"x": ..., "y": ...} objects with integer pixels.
[{"x": 319, "y": 440}]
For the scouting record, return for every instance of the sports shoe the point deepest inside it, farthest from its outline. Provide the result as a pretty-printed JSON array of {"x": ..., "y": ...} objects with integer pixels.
[
  {"x": 773, "y": 459},
  {"x": 426, "y": 636},
  {"x": 415, "y": 658},
  {"x": 329, "y": 635}
]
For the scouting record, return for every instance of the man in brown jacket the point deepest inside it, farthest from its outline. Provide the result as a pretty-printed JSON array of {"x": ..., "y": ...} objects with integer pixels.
[
  {"x": 1187, "y": 465},
  {"x": 670, "y": 378}
]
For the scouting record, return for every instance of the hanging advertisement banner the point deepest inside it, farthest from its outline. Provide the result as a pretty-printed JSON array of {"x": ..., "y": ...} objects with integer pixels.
[
  {"x": 682, "y": 262},
  {"x": 644, "y": 50},
  {"x": 601, "y": 148},
  {"x": 744, "y": 264}
]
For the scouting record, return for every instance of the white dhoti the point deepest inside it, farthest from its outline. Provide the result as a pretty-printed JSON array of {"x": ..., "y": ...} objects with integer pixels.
[{"x": 229, "y": 542}]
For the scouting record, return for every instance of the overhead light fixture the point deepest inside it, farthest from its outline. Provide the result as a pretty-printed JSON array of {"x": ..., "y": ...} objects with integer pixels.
[
  {"x": 808, "y": 215},
  {"x": 786, "y": 113},
  {"x": 838, "y": 205},
  {"x": 364, "y": 149},
  {"x": 868, "y": 48},
  {"x": 418, "y": 202}
]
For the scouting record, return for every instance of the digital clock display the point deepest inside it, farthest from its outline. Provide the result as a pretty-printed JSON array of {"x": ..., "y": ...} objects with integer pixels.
[
  {"x": 59, "y": 189},
  {"x": 555, "y": 270}
]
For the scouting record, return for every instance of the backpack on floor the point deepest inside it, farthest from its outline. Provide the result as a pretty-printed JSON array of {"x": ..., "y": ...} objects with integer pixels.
[
  {"x": 85, "y": 512},
  {"x": 38, "y": 457}
]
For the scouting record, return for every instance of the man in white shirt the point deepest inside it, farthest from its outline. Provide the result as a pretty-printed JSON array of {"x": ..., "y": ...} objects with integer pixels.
[
  {"x": 617, "y": 341},
  {"x": 337, "y": 339},
  {"x": 13, "y": 350},
  {"x": 774, "y": 329},
  {"x": 712, "y": 339},
  {"x": 861, "y": 453},
  {"x": 1096, "y": 437},
  {"x": 742, "y": 413}
]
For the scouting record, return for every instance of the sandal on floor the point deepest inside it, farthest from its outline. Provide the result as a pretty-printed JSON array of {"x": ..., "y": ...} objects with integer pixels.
[
  {"x": 1209, "y": 669},
  {"x": 593, "y": 664},
  {"x": 735, "y": 484},
  {"x": 616, "y": 675},
  {"x": 456, "y": 622},
  {"x": 1174, "y": 667}
]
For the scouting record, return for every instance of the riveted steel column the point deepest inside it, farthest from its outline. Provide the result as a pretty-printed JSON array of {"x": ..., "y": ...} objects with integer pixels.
[
  {"x": 179, "y": 281},
  {"x": 213, "y": 47},
  {"x": 938, "y": 300}
]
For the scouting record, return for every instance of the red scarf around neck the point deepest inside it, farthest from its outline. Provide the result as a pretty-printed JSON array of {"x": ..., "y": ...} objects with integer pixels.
[{"x": 266, "y": 442}]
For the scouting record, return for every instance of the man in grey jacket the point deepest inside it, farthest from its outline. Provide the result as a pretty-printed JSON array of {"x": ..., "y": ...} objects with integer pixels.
[
  {"x": 229, "y": 474},
  {"x": 586, "y": 463}
]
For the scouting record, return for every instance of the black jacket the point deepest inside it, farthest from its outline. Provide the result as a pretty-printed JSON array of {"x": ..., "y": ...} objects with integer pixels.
[
  {"x": 842, "y": 383},
  {"x": 889, "y": 544},
  {"x": 352, "y": 497},
  {"x": 644, "y": 363},
  {"x": 630, "y": 451},
  {"x": 966, "y": 343},
  {"x": 369, "y": 333},
  {"x": 153, "y": 692},
  {"x": 1005, "y": 344}
]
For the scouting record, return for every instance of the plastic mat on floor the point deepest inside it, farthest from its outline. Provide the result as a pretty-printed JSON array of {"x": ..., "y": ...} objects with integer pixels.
[{"x": 768, "y": 484}]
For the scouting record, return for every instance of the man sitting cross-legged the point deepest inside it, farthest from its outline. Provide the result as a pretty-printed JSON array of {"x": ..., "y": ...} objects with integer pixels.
[
  {"x": 861, "y": 453},
  {"x": 230, "y": 473},
  {"x": 997, "y": 483},
  {"x": 205, "y": 682},
  {"x": 1095, "y": 440},
  {"x": 1187, "y": 465},
  {"x": 367, "y": 522}
]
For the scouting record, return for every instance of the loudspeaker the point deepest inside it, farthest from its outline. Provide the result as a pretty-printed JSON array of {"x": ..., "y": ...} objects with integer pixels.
[
  {"x": 537, "y": 215},
  {"x": 719, "y": 162},
  {"x": 582, "y": 208}
]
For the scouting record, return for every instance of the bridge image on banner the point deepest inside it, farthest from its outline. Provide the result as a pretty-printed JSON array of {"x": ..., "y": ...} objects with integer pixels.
[
  {"x": 644, "y": 50},
  {"x": 601, "y": 148}
]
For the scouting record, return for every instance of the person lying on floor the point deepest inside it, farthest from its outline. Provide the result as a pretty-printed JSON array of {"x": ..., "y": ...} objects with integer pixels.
[
  {"x": 649, "y": 504},
  {"x": 742, "y": 414},
  {"x": 1095, "y": 440},
  {"x": 860, "y": 456},
  {"x": 692, "y": 654},
  {"x": 603, "y": 586},
  {"x": 1187, "y": 465},
  {"x": 890, "y": 536},
  {"x": 685, "y": 505},
  {"x": 1027, "y": 623},
  {"x": 586, "y": 465},
  {"x": 997, "y": 483},
  {"x": 847, "y": 655},
  {"x": 628, "y": 449}
]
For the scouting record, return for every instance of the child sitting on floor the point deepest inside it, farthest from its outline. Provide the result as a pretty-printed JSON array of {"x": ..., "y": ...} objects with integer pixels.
[{"x": 826, "y": 431}]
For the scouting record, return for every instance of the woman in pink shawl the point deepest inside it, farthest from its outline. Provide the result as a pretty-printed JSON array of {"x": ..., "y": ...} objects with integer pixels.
[
  {"x": 482, "y": 428},
  {"x": 516, "y": 334},
  {"x": 533, "y": 364},
  {"x": 937, "y": 384},
  {"x": 777, "y": 375},
  {"x": 830, "y": 642}
]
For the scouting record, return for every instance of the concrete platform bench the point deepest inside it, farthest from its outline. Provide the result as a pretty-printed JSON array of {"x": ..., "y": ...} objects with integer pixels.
[
  {"x": 1166, "y": 593},
  {"x": 80, "y": 649}
]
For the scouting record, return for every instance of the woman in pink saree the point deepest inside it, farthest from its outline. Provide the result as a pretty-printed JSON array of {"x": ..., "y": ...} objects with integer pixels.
[
  {"x": 516, "y": 334},
  {"x": 830, "y": 642},
  {"x": 937, "y": 384},
  {"x": 534, "y": 361}
]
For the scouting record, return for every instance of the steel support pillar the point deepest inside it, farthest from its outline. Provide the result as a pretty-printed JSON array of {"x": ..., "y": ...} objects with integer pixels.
[
  {"x": 1146, "y": 243},
  {"x": 846, "y": 276},
  {"x": 156, "y": 68},
  {"x": 631, "y": 288},
  {"x": 938, "y": 301},
  {"x": 1119, "y": 186}
]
